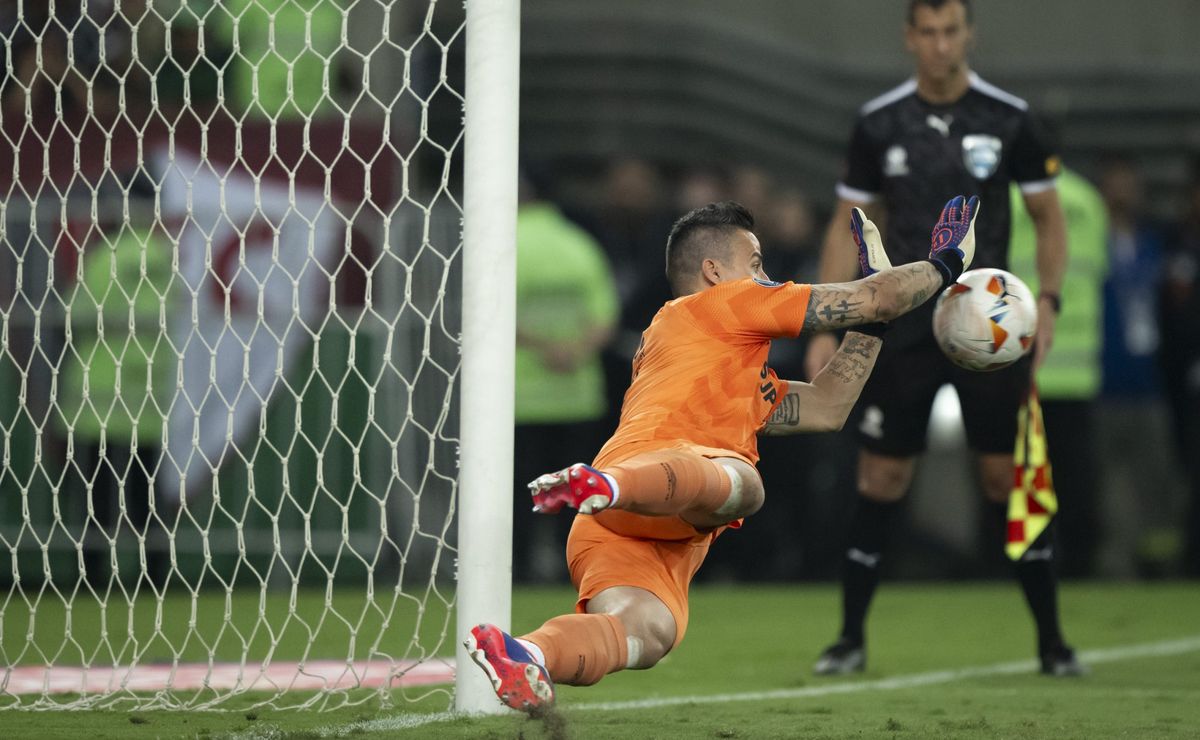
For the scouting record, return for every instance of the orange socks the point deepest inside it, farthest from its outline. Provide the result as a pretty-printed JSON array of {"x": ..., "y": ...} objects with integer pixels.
[
  {"x": 581, "y": 649},
  {"x": 666, "y": 482}
]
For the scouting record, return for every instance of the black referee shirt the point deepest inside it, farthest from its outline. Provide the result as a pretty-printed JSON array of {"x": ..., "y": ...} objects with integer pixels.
[{"x": 914, "y": 156}]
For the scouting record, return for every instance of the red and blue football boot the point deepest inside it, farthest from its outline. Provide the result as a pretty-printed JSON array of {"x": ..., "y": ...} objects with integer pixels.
[
  {"x": 519, "y": 681},
  {"x": 579, "y": 487}
]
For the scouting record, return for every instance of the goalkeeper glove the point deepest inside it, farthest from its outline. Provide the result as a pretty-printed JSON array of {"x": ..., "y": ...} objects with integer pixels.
[
  {"x": 871, "y": 257},
  {"x": 954, "y": 238}
]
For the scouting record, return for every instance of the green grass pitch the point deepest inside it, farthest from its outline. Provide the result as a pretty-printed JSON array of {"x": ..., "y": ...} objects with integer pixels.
[{"x": 939, "y": 666}]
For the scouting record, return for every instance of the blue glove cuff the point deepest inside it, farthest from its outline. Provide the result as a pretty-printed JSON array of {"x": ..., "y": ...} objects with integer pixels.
[{"x": 949, "y": 262}]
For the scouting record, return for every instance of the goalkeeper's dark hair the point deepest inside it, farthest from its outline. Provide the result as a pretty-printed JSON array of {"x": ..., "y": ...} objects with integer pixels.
[
  {"x": 699, "y": 235},
  {"x": 936, "y": 5}
]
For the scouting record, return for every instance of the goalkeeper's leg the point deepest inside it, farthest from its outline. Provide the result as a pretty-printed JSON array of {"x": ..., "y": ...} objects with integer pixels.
[
  {"x": 631, "y": 611},
  {"x": 624, "y": 627},
  {"x": 704, "y": 491},
  {"x": 632, "y": 607}
]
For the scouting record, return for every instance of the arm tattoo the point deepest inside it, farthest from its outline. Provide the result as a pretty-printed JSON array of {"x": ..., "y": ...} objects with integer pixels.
[
  {"x": 787, "y": 413},
  {"x": 880, "y": 297},
  {"x": 918, "y": 297},
  {"x": 834, "y": 308},
  {"x": 859, "y": 344},
  {"x": 831, "y": 395},
  {"x": 852, "y": 363}
]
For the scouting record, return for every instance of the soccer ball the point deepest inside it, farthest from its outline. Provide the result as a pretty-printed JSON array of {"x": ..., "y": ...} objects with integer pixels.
[{"x": 986, "y": 320}]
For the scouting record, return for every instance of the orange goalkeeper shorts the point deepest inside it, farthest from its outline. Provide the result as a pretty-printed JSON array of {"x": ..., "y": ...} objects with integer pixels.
[
  {"x": 599, "y": 558},
  {"x": 659, "y": 554}
]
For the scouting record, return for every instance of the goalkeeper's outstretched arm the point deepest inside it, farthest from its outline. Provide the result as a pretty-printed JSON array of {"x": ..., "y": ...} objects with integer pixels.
[
  {"x": 883, "y": 296},
  {"x": 889, "y": 292},
  {"x": 824, "y": 404}
]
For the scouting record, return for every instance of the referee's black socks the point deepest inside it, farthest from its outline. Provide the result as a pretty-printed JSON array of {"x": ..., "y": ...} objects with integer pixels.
[
  {"x": 1036, "y": 573},
  {"x": 869, "y": 529}
]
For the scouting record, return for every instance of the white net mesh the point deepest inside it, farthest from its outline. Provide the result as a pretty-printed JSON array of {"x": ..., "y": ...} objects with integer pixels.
[{"x": 229, "y": 310}]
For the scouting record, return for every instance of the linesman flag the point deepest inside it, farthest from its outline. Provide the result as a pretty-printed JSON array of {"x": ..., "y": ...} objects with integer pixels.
[{"x": 1032, "y": 503}]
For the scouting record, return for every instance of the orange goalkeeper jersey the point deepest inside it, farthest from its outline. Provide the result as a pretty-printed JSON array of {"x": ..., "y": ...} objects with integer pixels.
[{"x": 700, "y": 376}]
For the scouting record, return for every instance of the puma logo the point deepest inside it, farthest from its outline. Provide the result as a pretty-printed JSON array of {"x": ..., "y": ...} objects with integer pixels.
[{"x": 939, "y": 124}]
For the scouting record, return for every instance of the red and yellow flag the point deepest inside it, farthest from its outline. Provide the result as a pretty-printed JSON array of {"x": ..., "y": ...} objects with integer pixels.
[{"x": 1032, "y": 502}]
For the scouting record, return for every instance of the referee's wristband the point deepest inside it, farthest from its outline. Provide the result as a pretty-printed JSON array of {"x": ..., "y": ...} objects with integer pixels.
[{"x": 1055, "y": 301}]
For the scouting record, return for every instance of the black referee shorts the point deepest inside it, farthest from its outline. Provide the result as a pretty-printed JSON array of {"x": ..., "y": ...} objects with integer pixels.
[{"x": 893, "y": 411}]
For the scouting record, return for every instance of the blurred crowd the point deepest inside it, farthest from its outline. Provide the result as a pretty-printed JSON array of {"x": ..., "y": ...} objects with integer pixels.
[{"x": 112, "y": 61}]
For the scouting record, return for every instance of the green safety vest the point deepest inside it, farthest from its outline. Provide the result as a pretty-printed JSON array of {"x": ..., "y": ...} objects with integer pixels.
[
  {"x": 564, "y": 288},
  {"x": 1072, "y": 371},
  {"x": 118, "y": 367},
  {"x": 281, "y": 44}
]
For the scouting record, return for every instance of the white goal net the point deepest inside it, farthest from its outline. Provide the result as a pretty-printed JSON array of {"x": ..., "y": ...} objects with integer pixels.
[{"x": 230, "y": 317}]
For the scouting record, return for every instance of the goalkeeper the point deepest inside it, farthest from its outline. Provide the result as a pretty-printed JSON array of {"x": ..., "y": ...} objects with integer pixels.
[{"x": 680, "y": 468}]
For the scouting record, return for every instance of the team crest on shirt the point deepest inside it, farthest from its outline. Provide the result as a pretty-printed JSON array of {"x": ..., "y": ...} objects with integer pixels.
[
  {"x": 895, "y": 162},
  {"x": 767, "y": 283},
  {"x": 981, "y": 155}
]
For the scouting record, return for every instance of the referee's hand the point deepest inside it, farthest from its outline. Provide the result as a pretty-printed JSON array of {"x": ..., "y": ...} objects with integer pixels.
[{"x": 1044, "y": 339}]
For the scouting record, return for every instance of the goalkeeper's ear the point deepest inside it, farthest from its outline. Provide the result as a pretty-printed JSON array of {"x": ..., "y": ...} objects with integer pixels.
[{"x": 871, "y": 255}]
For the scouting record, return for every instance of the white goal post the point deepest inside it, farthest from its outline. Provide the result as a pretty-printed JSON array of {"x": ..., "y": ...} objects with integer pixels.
[
  {"x": 489, "y": 331},
  {"x": 257, "y": 314}
]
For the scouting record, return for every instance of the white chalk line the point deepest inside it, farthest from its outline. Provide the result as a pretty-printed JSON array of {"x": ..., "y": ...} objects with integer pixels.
[{"x": 1089, "y": 657}]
